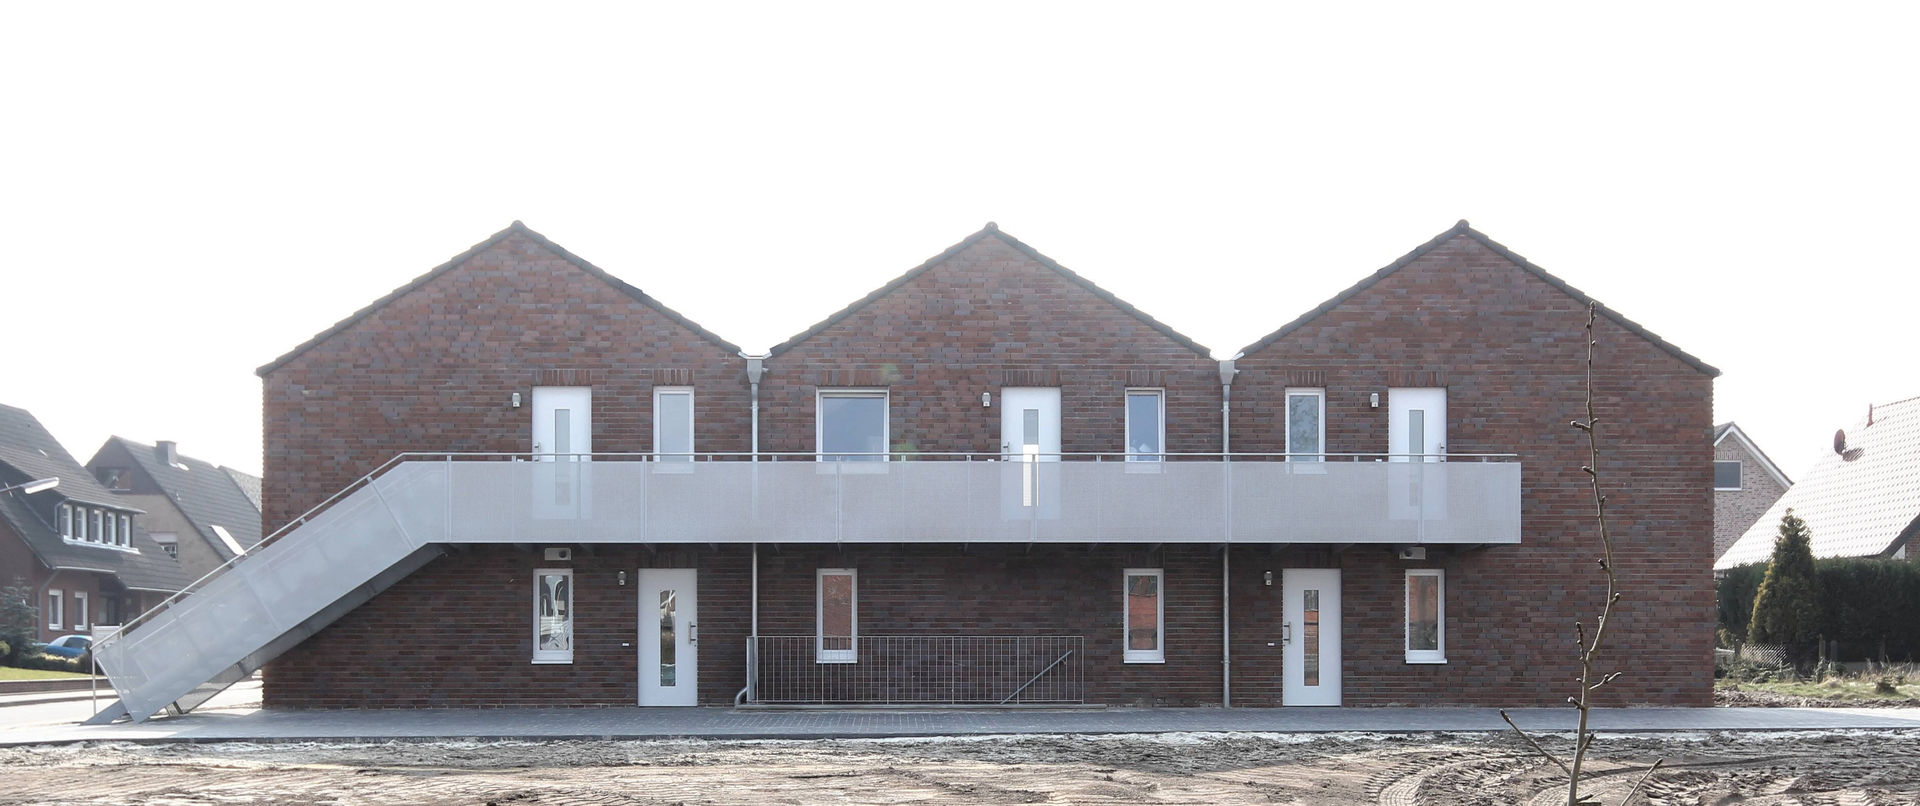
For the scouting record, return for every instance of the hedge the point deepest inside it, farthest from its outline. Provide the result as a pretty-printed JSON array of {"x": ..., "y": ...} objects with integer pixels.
[{"x": 1870, "y": 606}]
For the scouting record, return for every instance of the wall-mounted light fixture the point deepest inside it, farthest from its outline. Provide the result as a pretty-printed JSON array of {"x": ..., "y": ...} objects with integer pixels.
[
  {"x": 623, "y": 579},
  {"x": 1373, "y": 400},
  {"x": 1269, "y": 579},
  {"x": 516, "y": 400},
  {"x": 986, "y": 400}
]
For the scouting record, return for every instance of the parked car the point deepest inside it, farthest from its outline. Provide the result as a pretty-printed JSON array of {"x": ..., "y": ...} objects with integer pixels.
[{"x": 67, "y": 646}]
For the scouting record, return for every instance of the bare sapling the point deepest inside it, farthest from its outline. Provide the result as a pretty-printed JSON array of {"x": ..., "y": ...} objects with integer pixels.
[{"x": 1590, "y": 644}]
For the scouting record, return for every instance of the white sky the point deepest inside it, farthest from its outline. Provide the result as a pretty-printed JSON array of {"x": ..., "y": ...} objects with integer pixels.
[{"x": 187, "y": 192}]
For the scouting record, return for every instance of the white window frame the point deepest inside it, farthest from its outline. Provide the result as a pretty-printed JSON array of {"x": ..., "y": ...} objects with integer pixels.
[
  {"x": 1160, "y": 396},
  {"x": 94, "y": 532},
  {"x": 1287, "y": 423},
  {"x": 56, "y": 608},
  {"x": 169, "y": 542},
  {"x": 80, "y": 613},
  {"x": 821, "y": 653},
  {"x": 1438, "y": 654},
  {"x": 555, "y": 655},
  {"x": 66, "y": 521},
  {"x": 1159, "y": 653},
  {"x": 1736, "y": 463},
  {"x": 112, "y": 535},
  {"x": 126, "y": 531},
  {"x": 820, "y": 425},
  {"x": 692, "y": 439}
]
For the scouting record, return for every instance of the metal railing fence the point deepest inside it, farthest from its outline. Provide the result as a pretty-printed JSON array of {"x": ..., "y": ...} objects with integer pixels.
[{"x": 918, "y": 670}]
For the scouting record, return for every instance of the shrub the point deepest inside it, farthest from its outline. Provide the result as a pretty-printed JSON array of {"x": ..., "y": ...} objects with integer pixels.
[
  {"x": 1786, "y": 611},
  {"x": 49, "y": 663}
]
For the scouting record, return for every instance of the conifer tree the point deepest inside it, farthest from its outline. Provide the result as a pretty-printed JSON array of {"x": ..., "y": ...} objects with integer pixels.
[{"x": 1786, "y": 611}]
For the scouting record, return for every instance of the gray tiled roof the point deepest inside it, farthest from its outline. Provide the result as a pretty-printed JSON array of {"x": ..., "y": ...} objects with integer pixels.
[
  {"x": 1858, "y": 504},
  {"x": 249, "y": 484},
  {"x": 204, "y": 492},
  {"x": 26, "y": 445},
  {"x": 29, "y": 450}
]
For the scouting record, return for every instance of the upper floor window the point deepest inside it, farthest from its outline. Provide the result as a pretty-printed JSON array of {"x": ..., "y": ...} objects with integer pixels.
[
  {"x": 1146, "y": 425},
  {"x": 169, "y": 543},
  {"x": 113, "y": 478},
  {"x": 111, "y": 536},
  {"x": 673, "y": 423},
  {"x": 851, "y": 425},
  {"x": 1726, "y": 475},
  {"x": 1306, "y": 425},
  {"x": 95, "y": 533},
  {"x": 126, "y": 530},
  {"x": 66, "y": 520}
]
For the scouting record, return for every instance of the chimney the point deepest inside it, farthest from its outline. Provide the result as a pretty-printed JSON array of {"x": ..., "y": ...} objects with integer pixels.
[{"x": 168, "y": 453}]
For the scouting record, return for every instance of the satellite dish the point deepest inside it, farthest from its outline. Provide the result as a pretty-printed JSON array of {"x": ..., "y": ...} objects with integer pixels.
[{"x": 1840, "y": 441}]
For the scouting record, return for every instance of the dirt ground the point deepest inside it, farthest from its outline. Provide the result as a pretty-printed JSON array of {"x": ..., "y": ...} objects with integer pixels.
[{"x": 1852, "y": 767}]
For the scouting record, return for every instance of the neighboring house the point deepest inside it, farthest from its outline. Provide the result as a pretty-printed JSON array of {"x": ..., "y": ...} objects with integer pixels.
[
  {"x": 199, "y": 512},
  {"x": 988, "y": 480},
  {"x": 77, "y": 546},
  {"x": 1861, "y": 500},
  {"x": 1745, "y": 485}
]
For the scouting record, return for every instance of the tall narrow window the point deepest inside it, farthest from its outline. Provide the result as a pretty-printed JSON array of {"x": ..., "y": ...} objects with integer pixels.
[
  {"x": 1426, "y": 616},
  {"x": 1145, "y": 617},
  {"x": 126, "y": 530},
  {"x": 95, "y": 534},
  {"x": 552, "y": 615},
  {"x": 66, "y": 521},
  {"x": 112, "y": 536},
  {"x": 1306, "y": 425},
  {"x": 836, "y": 615},
  {"x": 56, "y": 608},
  {"x": 673, "y": 423},
  {"x": 852, "y": 425},
  {"x": 80, "y": 611},
  {"x": 1146, "y": 425}
]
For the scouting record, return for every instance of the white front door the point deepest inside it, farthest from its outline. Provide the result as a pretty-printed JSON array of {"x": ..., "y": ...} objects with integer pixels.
[
  {"x": 1030, "y": 436},
  {"x": 1310, "y": 659},
  {"x": 562, "y": 422},
  {"x": 1417, "y": 424},
  {"x": 562, "y": 439},
  {"x": 1417, "y": 435},
  {"x": 669, "y": 637}
]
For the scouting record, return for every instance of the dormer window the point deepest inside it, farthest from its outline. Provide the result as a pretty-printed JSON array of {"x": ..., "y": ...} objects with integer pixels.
[
  {"x": 126, "y": 530},
  {"x": 66, "y": 521},
  {"x": 111, "y": 536},
  {"x": 114, "y": 478},
  {"x": 94, "y": 534}
]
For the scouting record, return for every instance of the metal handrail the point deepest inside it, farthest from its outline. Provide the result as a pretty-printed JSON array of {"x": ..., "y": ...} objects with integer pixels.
[{"x": 889, "y": 456}]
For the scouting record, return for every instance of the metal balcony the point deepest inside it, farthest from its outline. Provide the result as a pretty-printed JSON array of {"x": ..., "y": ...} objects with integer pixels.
[{"x": 391, "y": 522}]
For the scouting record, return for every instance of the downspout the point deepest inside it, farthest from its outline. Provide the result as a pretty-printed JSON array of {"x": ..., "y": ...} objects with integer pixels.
[
  {"x": 755, "y": 369},
  {"x": 1227, "y": 372}
]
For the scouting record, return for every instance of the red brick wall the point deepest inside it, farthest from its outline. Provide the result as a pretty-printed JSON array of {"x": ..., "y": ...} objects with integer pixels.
[
  {"x": 1508, "y": 348},
  {"x": 988, "y": 317},
  {"x": 435, "y": 368}
]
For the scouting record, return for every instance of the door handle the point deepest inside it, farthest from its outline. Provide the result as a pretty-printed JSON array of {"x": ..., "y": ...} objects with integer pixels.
[
  {"x": 1286, "y": 632},
  {"x": 693, "y": 633}
]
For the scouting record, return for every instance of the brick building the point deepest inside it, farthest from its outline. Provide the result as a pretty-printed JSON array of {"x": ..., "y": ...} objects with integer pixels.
[
  {"x": 1745, "y": 485},
  {"x": 989, "y": 480}
]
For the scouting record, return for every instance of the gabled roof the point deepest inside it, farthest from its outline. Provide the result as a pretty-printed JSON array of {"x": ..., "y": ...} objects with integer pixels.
[
  {"x": 463, "y": 257},
  {"x": 1728, "y": 429},
  {"x": 1858, "y": 503},
  {"x": 249, "y": 484},
  {"x": 991, "y": 230},
  {"x": 203, "y": 492},
  {"x": 1462, "y": 230},
  {"x": 26, "y": 446}
]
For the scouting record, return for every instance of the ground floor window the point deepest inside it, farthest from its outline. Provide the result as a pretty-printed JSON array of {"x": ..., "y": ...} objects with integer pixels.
[
  {"x": 56, "y": 608},
  {"x": 836, "y": 606},
  {"x": 80, "y": 610},
  {"x": 553, "y": 615},
  {"x": 1426, "y": 616},
  {"x": 1144, "y": 617}
]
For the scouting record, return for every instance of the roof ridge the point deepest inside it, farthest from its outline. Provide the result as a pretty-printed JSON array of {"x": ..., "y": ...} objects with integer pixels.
[
  {"x": 473, "y": 251},
  {"x": 1462, "y": 228},
  {"x": 990, "y": 229}
]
